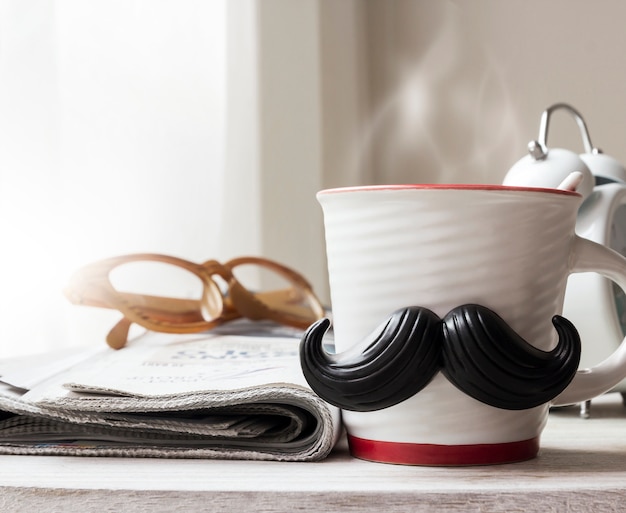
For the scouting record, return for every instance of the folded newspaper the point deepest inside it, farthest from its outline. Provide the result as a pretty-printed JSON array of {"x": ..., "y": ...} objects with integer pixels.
[{"x": 225, "y": 394}]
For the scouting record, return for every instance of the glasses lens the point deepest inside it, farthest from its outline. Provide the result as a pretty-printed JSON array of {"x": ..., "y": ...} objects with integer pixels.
[
  {"x": 161, "y": 292},
  {"x": 278, "y": 291}
]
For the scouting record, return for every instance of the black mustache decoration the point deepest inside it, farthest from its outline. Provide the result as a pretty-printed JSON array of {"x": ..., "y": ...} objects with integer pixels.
[{"x": 472, "y": 346}]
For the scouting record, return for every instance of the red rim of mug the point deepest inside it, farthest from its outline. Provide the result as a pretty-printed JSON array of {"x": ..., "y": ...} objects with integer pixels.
[
  {"x": 443, "y": 455},
  {"x": 460, "y": 187}
]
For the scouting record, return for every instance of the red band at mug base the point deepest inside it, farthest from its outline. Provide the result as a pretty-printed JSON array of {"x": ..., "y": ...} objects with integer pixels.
[{"x": 444, "y": 455}]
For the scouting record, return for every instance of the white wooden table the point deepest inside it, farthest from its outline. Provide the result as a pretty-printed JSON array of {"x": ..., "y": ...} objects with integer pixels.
[{"x": 581, "y": 468}]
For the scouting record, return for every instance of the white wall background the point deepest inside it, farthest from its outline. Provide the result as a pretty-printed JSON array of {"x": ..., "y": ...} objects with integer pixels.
[
  {"x": 204, "y": 128},
  {"x": 458, "y": 87},
  {"x": 112, "y": 141}
]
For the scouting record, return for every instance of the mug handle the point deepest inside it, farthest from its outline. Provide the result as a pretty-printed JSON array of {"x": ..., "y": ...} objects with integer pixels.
[{"x": 589, "y": 256}]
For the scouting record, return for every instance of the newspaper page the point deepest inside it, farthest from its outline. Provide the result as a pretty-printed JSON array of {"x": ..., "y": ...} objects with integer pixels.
[{"x": 221, "y": 394}]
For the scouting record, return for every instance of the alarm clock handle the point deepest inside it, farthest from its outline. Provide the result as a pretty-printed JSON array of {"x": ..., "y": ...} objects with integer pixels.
[
  {"x": 588, "y": 256},
  {"x": 538, "y": 148}
]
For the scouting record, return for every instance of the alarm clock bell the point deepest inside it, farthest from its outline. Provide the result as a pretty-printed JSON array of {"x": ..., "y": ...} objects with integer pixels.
[{"x": 595, "y": 305}]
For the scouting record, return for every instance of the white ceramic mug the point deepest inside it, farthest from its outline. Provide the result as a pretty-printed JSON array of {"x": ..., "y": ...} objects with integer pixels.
[{"x": 509, "y": 250}]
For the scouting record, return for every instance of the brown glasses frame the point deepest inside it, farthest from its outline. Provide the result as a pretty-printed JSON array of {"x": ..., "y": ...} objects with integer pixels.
[{"x": 91, "y": 286}]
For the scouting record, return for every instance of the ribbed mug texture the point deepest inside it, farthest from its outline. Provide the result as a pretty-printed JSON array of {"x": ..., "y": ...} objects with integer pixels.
[{"x": 504, "y": 248}]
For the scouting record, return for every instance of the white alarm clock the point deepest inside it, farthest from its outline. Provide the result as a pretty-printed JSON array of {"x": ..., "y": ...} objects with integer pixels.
[{"x": 595, "y": 305}]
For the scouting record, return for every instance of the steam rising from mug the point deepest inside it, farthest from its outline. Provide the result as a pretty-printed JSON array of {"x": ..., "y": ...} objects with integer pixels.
[{"x": 472, "y": 346}]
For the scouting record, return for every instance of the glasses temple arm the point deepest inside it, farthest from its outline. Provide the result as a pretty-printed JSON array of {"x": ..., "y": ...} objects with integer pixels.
[{"x": 118, "y": 336}]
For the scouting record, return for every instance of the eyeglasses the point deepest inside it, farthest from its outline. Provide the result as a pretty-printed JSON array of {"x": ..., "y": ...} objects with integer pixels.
[{"x": 203, "y": 305}]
